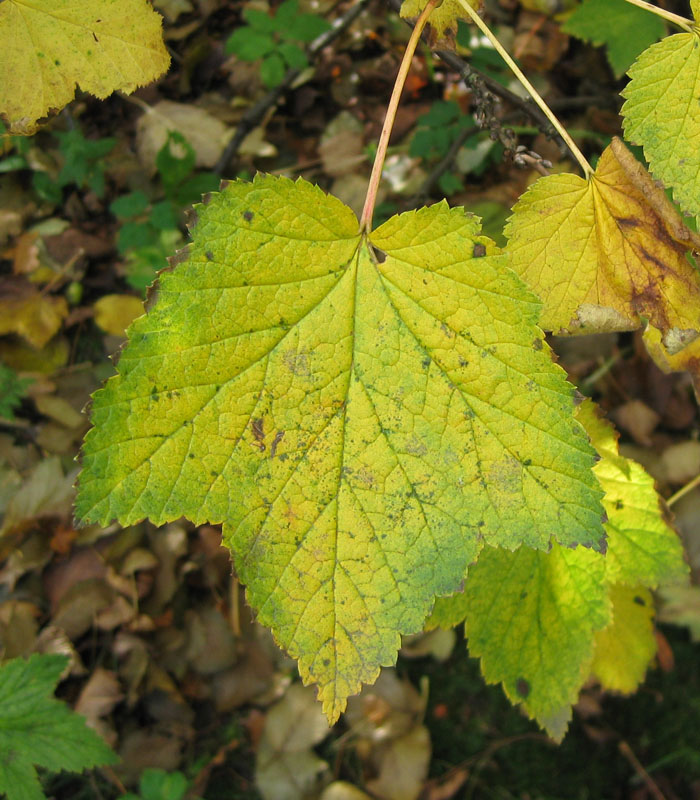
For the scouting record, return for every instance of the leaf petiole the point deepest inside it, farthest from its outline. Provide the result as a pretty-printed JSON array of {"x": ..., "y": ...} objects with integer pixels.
[
  {"x": 375, "y": 177},
  {"x": 483, "y": 27},
  {"x": 669, "y": 16}
]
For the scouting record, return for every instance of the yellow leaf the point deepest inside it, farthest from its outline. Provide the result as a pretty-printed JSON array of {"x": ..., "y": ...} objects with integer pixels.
[
  {"x": 625, "y": 647},
  {"x": 605, "y": 253},
  {"x": 115, "y": 312},
  {"x": 443, "y": 18},
  {"x": 48, "y": 47},
  {"x": 26, "y": 311}
]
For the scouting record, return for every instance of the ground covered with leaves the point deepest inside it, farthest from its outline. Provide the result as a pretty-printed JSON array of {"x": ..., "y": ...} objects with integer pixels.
[{"x": 165, "y": 660}]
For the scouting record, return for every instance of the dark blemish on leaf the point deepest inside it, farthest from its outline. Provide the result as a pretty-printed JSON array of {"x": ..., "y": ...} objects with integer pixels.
[
  {"x": 326, "y": 662},
  {"x": 619, "y": 504},
  {"x": 57, "y": 62},
  {"x": 603, "y": 547},
  {"x": 627, "y": 222},
  {"x": 523, "y": 594},
  {"x": 273, "y": 447},
  {"x": 527, "y": 462},
  {"x": 537, "y": 344},
  {"x": 257, "y": 428},
  {"x": 479, "y": 251},
  {"x": 248, "y": 216},
  {"x": 223, "y": 185},
  {"x": 191, "y": 218},
  {"x": 639, "y": 601},
  {"x": 207, "y": 198},
  {"x": 578, "y": 397},
  {"x": 213, "y": 473},
  {"x": 209, "y": 255},
  {"x": 425, "y": 362},
  {"x": 95, "y": 37},
  {"x": 380, "y": 255},
  {"x": 522, "y": 687},
  {"x": 190, "y": 455}
]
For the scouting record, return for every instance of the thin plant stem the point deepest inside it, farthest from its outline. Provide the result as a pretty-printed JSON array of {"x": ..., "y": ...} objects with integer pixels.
[
  {"x": 683, "y": 491},
  {"x": 546, "y": 110},
  {"x": 669, "y": 16},
  {"x": 375, "y": 177}
]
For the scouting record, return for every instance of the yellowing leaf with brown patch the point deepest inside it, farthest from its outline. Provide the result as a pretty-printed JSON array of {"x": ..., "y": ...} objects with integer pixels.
[
  {"x": 48, "y": 47},
  {"x": 605, "y": 253}
]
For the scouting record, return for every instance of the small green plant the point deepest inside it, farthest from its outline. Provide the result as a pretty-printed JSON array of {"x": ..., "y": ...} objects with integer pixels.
[
  {"x": 157, "y": 784},
  {"x": 439, "y": 129},
  {"x": 276, "y": 40},
  {"x": 150, "y": 231},
  {"x": 12, "y": 390},
  {"x": 37, "y": 729},
  {"x": 80, "y": 163}
]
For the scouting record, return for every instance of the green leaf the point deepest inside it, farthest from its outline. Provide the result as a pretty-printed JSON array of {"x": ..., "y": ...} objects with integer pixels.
[
  {"x": 129, "y": 205},
  {"x": 624, "y": 29},
  {"x": 175, "y": 160},
  {"x": 37, "y": 729},
  {"x": 361, "y": 416},
  {"x": 12, "y": 390},
  {"x": 135, "y": 234},
  {"x": 163, "y": 216},
  {"x": 259, "y": 20},
  {"x": 293, "y": 55},
  {"x": 531, "y": 618},
  {"x": 305, "y": 28},
  {"x": 157, "y": 784},
  {"x": 249, "y": 45},
  {"x": 272, "y": 70},
  {"x": 661, "y": 112}
]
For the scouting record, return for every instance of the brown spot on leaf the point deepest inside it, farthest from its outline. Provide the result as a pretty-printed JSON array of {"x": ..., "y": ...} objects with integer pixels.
[
  {"x": 522, "y": 687},
  {"x": 258, "y": 432},
  {"x": 248, "y": 216},
  {"x": 479, "y": 251}
]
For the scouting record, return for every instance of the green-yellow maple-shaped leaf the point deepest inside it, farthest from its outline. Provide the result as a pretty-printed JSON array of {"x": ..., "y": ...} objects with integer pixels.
[
  {"x": 623, "y": 650},
  {"x": 48, "y": 47},
  {"x": 541, "y": 622},
  {"x": 443, "y": 18},
  {"x": 360, "y": 417},
  {"x": 661, "y": 112}
]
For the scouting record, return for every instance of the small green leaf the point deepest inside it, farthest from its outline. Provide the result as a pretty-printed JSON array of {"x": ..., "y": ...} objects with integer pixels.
[
  {"x": 133, "y": 235},
  {"x": 129, "y": 205},
  {"x": 37, "y": 729},
  {"x": 249, "y": 45},
  {"x": 272, "y": 70},
  {"x": 362, "y": 415},
  {"x": 12, "y": 390},
  {"x": 163, "y": 216},
  {"x": 175, "y": 160},
  {"x": 259, "y": 20},
  {"x": 624, "y": 29},
  {"x": 293, "y": 55},
  {"x": 305, "y": 28}
]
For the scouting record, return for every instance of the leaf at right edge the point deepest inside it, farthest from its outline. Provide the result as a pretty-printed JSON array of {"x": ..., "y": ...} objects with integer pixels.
[
  {"x": 605, "y": 253},
  {"x": 360, "y": 425},
  {"x": 661, "y": 112}
]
